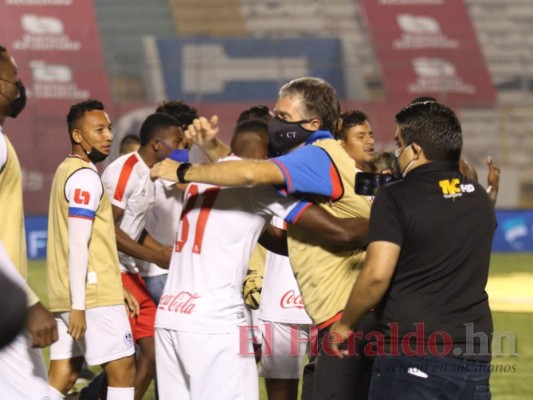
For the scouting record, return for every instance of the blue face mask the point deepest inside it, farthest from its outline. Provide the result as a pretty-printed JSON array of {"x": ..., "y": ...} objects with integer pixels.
[{"x": 179, "y": 155}]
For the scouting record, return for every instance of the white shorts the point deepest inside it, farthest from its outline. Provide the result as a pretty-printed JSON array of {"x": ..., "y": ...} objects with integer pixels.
[
  {"x": 283, "y": 349},
  {"x": 22, "y": 371},
  {"x": 108, "y": 336},
  {"x": 201, "y": 366}
]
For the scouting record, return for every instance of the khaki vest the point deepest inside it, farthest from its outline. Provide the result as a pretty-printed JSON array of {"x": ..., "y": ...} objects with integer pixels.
[
  {"x": 326, "y": 275},
  {"x": 103, "y": 257},
  {"x": 12, "y": 232}
]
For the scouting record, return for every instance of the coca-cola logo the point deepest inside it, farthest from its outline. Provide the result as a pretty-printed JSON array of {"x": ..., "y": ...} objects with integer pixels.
[
  {"x": 183, "y": 302},
  {"x": 291, "y": 300}
]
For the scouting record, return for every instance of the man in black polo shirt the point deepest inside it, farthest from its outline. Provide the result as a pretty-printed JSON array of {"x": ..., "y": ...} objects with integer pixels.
[{"x": 426, "y": 269}]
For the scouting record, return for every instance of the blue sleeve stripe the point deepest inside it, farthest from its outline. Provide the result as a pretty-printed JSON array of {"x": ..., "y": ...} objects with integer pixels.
[
  {"x": 81, "y": 212},
  {"x": 295, "y": 213},
  {"x": 286, "y": 175}
]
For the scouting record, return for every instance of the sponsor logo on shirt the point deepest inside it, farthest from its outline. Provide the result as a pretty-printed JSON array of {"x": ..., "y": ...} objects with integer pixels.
[
  {"x": 183, "y": 302},
  {"x": 453, "y": 188},
  {"x": 81, "y": 196},
  {"x": 291, "y": 300}
]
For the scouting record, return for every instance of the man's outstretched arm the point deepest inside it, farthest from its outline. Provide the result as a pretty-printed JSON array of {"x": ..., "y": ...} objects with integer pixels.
[
  {"x": 369, "y": 288},
  {"x": 227, "y": 173}
]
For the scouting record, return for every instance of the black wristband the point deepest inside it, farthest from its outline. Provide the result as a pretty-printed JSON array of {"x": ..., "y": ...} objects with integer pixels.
[{"x": 182, "y": 169}]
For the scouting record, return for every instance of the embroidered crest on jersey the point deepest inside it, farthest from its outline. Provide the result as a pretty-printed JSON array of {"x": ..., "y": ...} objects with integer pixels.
[{"x": 128, "y": 340}]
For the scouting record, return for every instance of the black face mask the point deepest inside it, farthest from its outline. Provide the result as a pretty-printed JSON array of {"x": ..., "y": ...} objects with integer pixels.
[
  {"x": 94, "y": 154},
  {"x": 16, "y": 105},
  {"x": 284, "y": 136}
]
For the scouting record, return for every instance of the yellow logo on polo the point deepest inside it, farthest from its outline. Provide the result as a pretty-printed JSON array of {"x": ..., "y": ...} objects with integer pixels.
[{"x": 452, "y": 188}]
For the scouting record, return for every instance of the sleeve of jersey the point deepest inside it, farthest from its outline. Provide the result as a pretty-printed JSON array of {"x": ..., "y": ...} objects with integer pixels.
[
  {"x": 119, "y": 181},
  {"x": 295, "y": 213},
  {"x": 385, "y": 219},
  {"x": 309, "y": 169},
  {"x": 83, "y": 190},
  {"x": 269, "y": 201}
]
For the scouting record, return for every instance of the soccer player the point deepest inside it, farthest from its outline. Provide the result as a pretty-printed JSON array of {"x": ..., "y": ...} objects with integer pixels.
[
  {"x": 21, "y": 363},
  {"x": 163, "y": 215},
  {"x": 306, "y": 117},
  {"x": 202, "y": 302},
  {"x": 132, "y": 192},
  {"x": 284, "y": 325},
  {"x": 84, "y": 287},
  {"x": 281, "y": 318}
]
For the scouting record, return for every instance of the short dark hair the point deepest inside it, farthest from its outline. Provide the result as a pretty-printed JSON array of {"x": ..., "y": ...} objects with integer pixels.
[
  {"x": 247, "y": 135},
  {"x": 319, "y": 100},
  {"x": 260, "y": 111},
  {"x": 423, "y": 99},
  {"x": 350, "y": 118},
  {"x": 130, "y": 138},
  {"x": 434, "y": 127},
  {"x": 153, "y": 123},
  {"x": 2, "y": 49},
  {"x": 184, "y": 113},
  {"x": 387, "y": 160},
  {"x": 78, "y": 110}
]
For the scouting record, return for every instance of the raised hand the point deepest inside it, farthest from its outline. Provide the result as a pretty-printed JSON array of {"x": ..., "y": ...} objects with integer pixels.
[{"x": 203, "y": 132}]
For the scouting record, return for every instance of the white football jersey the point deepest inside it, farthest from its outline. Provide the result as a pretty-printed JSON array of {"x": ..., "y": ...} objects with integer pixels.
[
  {"x": 218, "y": 230},
  {"x": 162, "y": 221},
  {"x": 127, "y": 181},
  {"x": 281, "y": 300},
  {"x": 3, "y": 149}
]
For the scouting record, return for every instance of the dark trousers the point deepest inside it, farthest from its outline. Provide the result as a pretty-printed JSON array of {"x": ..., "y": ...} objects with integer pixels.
[
  {"x": 329, "y": 377},
  {"x": 429, "y": 377}
]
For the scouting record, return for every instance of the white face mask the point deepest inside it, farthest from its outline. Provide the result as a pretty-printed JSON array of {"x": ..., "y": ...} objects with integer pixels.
[{"x": 397, "y": 154}]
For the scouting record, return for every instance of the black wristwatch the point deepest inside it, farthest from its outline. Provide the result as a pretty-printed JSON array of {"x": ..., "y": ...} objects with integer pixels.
[{"x": 182, "y": 169}]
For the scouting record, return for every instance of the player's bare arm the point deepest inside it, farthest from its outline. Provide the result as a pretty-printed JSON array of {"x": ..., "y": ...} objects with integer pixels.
[
  {"x": 203, "y": 133},
  {"x": 368, "y": 290},
  {"x": 275, "y": 240},
  {"x": 129, "y": 246},
  {"x": 149, "y": 241},
  {"x": 349, "y": 232},
  {"x": 228, "y": 173},
  {"x": 345, "y": 232}
]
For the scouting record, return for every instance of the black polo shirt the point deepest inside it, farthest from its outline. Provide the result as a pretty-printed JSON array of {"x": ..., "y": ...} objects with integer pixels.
[{"x": 444, "y": 224}]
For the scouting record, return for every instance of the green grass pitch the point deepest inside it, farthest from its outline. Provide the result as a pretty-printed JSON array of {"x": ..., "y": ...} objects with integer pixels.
[{"x": 512, "y": 375}]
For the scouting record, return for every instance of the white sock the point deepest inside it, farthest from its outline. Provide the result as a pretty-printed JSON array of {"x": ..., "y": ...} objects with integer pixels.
[
  {"x": 55, "y": 394},
  {"x": 120, "y": 393}
]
